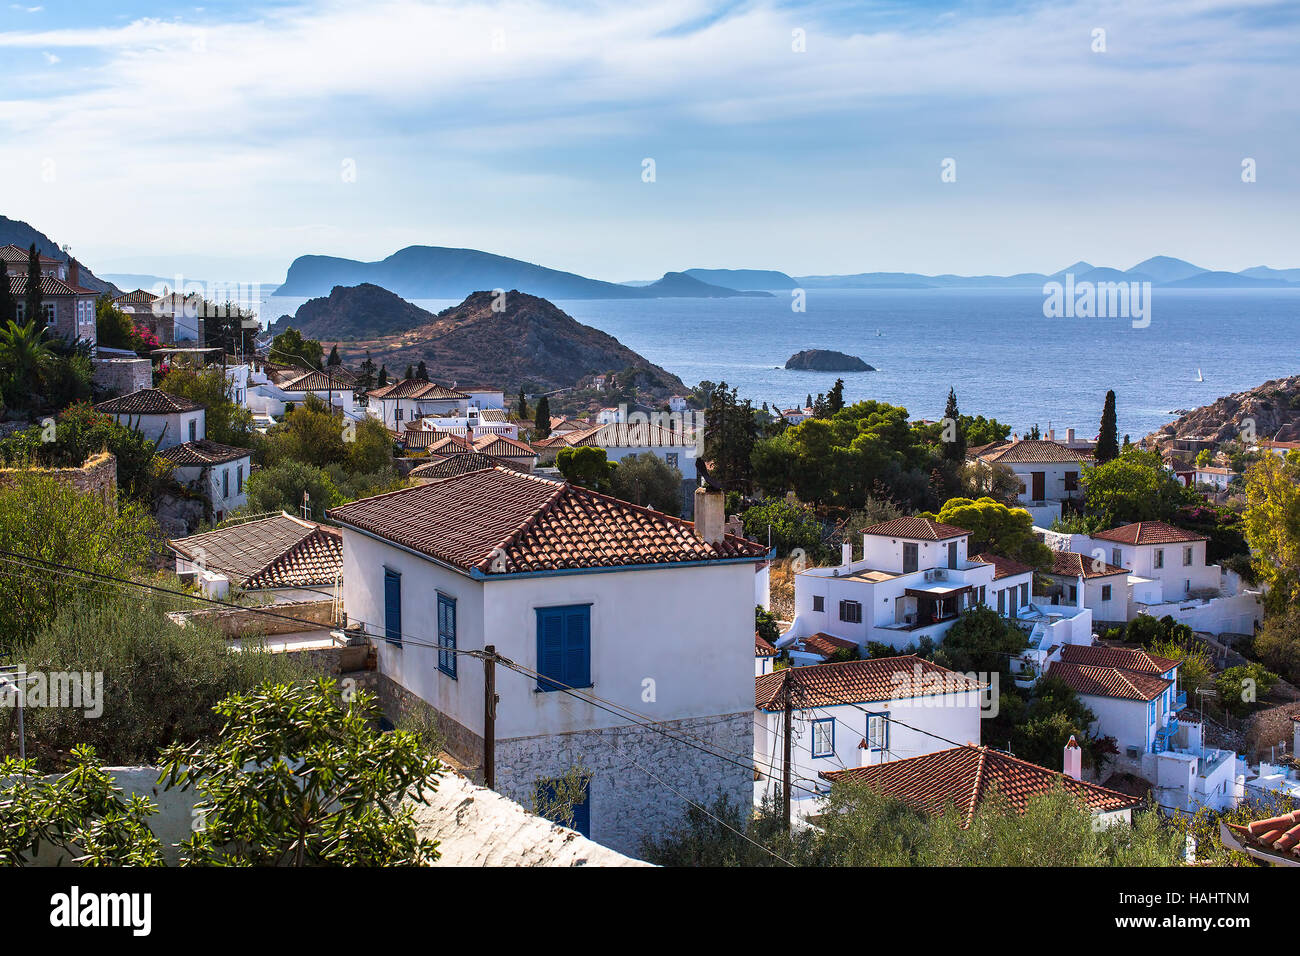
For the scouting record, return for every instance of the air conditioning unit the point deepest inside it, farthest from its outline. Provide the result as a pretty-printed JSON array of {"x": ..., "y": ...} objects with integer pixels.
[
  {"x": 929, "y": 575},
  {"x": 940, "y": 574},
  {"x": 1132, "y": 752}
]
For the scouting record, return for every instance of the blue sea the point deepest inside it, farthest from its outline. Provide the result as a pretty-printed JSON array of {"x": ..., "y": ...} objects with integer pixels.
[{"x": 995, "y": 347}]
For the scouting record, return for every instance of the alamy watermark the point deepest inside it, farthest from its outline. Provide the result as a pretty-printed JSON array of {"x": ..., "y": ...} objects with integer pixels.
[
  {"x": 74, "y": 690},
  {"x": 1103, "y": 300}
]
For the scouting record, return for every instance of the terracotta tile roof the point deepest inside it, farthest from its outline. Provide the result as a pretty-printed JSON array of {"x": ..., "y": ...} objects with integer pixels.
[
  {"x": 965, "y": 776},
  {"x": 1148, "y": 532},
  {"x": 915, "y": 529},
  {"x": 201, "y": 453},
  {"x": 1296, "y": 716},
  {"x": 1280, "y": 834},
  {"x": 1072, "y": 564},
  {"x": 826, "y": 644},
  {"x": 1002, "y": 567},
  {"x": 138, "y": 297},
  {"x": 316, "y": 382},
  {"x": 763, "y": 647},
  {"x": 1109, "y": 681},
  {"x": 148, "y": 401},
  {"x": 1124, "y": 658},
  {"x": 51, "y": 286},
  {"x": 416, "y": 388},
  {"x": 503, "y": 447},
  {"x": 275, "y": 552},
  {"x": 16, "y": 253},
  {"x": 623, "y": 435},
  {"x": 858, "y": 682},
  {"x": 462, "y": 463},
  {"x": 1029, "y": 451},
  {"x": 436, "y": 442},
  {"x": 500, "y": 521}
]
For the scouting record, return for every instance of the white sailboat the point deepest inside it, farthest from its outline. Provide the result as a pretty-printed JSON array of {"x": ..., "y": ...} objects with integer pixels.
[{"x": 1199, "y": 376}]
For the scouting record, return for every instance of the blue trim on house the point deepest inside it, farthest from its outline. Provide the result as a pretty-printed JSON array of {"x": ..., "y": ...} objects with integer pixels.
[
  {"x": 392, "y": 606},
  {"x": 884, "y": 744},
  {"x": 447, "y": 635},
  {"x": 563, "y": 647},
  {"x": 815, "y": 724}
]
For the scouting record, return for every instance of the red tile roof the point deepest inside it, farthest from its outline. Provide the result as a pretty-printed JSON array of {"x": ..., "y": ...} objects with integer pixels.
[
  {"x": 449, "y": 466},
  {"x": 416, "y": 388},
  {"x": 1072, "y": 564},
  {"x": 443, "y": 443},
  {"x": 1029, "y": 451},
  {"x": 500, "y": 521},
  {"x": 826, "y": 644},
  {"x": 1109, "y": 681},
  {"x": 1002, "y": 567},
  {"x": 276, "y": 552},
  {"x": 138, "y": 297},
  {"x": 915, "y": 529},
  {"x": 148, "y": 401},
  {"x": 1280, "y": 834},
  {"x": 1124, "y": 658},
  {"x": 1148, "y": 532},
  {"x": 857, "y": 682},
  {"x": 624, "y": 435},
  {"x": 316, "y": 382},
  {"x": 503, "y": 447},
  {"x": 202, "y": 453},
  {"x": 964, "y": 776},
  {"x": 763, "y": 647},
  {"x": 51, "y": 287}
]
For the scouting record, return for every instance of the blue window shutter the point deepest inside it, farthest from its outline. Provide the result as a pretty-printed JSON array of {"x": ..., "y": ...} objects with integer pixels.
[
  {"x": 582, "y": 813},
  {"x": 392, "y": 606},
  {"x": 447, "y": 635},
  {"x": 577, "y": 647},
  {"x": 550, "y": 646}
]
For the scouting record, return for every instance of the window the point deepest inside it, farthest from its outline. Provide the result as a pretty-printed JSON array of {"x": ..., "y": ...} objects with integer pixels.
[
  {"x": 823, "y": 737},
  {"x": 1024, "y": 594},
  {"x": 877, "y": 731},
  {"x": 47, "y": 310},
  {"x": 1151, "y": 712},
  {"x": 1160, "y": 557},
  {"x": 194, "y": 429},
  {"x": 225, "y": 482},
  {"x": 671, "y": 458},
  {"x": 555, "y": 800},
  {"x": 1002, "y": 602},
  {"x": 564, "y": 647},
  {"x": 911, "y": 560},
  {"x": 1074, "y": 594},
  {"x": 1187, "y": 556},
  {"x": 819, "y": 602},
  {"x": 1105, "y": 592},
  {"x": 1116, "y": 557},
  {"x": 851, "y": 612},
  {"x": 1071, "y": 481},
  {"x": 392, "y": 606},
  {"x": 447, "y": 635},
  {"x": 239, "y": 480}
]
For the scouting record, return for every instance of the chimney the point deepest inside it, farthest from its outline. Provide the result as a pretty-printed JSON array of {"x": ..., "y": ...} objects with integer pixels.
[
  {"x": 1051, "y": 434},
  {"x": 1069, "y": 436},
  {"x": 1073, "y": 759},
  {"x": 846, "y": 553},
  {"x": 710, "y": 514},
  {"x": 74, "y": 273}
]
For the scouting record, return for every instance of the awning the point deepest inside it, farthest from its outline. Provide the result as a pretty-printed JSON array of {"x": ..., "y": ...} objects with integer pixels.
[{"x": 937, "y": 592}]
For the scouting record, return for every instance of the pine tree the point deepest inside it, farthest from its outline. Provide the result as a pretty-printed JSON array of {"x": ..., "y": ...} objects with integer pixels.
[
  {"x": 542, "y": 418},
  {"x": 334, "y": 359},
  {"x": 1108, "y": 439},
  {"x": 383, "y": 375},
  {"x": 32, "y": 293},
  {"x": 835, "y": 397},
  {"x": 367, "y": 378},
  {"x": 807, "y": 402},
  {"x": 7, "y": 311},
  {"x": 522, "y": 408},
  {"x": 954, "y": 448}
]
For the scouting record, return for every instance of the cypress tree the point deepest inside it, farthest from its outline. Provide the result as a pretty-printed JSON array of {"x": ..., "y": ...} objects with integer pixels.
[
  {"x": 421, "y": 372},
  {"x": 383, "y": 375},
  {"x": 7, "y": 312},
  {"x": 835, "y": 397},
  {"x": 32, "y": 293},
  {"x": 954, "y": 449},
  {"x": 334, "y": 359},
  {"x": 542, "y": 418},
  {"x": 523, "y": 405},
  {"x": 1108, "y": 440},
  {"x": 410, "y": 372}
]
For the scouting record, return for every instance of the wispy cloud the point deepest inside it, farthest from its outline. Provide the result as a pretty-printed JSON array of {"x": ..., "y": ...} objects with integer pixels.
[{"x": 521, "y": 125}]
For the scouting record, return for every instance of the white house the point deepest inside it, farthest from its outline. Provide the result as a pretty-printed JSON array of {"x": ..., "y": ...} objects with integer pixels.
[
  {"x": 165, "y": 418},
  {"x": 272, "y": 393},
  {"x": 218, "y": 472},
  {"x": 857, "y": 714},
  {"x": 913, "y": 581},
  {"x": 1048, "y": 472},
  {"x": 1190, "y": 775},
  {"x": 1082, "y": 581},
  {"x": 1213, "y": 476},
  {"x": 584, "y": 595},
  {"x": 410, "y": 398},
  {"x": 620, "y": 440}
]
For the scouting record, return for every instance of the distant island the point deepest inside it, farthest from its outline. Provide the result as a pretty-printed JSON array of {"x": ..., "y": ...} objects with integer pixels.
[{"x": 826, "y": 360}]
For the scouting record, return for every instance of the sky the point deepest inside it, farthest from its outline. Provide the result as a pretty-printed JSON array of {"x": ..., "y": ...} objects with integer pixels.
[{"x": 811, "y": 138}]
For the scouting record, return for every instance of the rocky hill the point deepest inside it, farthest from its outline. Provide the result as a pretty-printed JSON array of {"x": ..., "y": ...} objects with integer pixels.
[
  {"x": 529, "y": 343},
  {"x": 354, "y": 312},
  {"x": 826, "y": 360},
  {"x": 23, "y": 235},
  {"x": 1272, "y": 410}
]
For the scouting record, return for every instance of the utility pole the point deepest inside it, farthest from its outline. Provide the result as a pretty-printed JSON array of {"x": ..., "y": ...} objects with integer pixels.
[
  {"x": 785, "y": 759},
  {"x": 489, "y": 715}
]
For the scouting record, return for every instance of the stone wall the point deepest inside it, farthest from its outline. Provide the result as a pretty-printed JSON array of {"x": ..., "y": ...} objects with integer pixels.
[
  {"x": 402, "y": 707},
  {"x": 96, "y": 476},
  {"x": 237, "y": 622},
  {"x": 626, "y": 802},
  {"x": 121, "y": 376}
]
